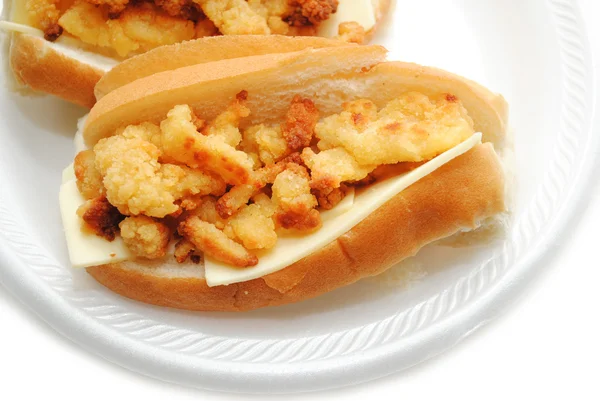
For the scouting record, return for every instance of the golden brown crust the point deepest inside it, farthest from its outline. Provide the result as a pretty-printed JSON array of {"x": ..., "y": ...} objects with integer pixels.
[
  {"x": 101, "y": 217},
  {"x": 488, "y": 110},
  {"x": 207, "y": 238},
  {"x": 40, "y": 67},
  {"x": 298, "y": 127},
  {"x": 472, "y": 190}
]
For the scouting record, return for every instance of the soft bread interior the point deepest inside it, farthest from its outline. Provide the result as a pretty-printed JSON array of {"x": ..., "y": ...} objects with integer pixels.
[{"x": 273, "y": 80}]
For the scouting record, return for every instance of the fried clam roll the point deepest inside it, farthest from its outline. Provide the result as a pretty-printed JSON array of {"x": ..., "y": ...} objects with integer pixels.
[{"x": 341, "y": 171}]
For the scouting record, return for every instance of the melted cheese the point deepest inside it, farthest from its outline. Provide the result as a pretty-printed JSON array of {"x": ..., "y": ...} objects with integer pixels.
[
  {"x": 85, "y": 249},
  {"x": 290, "y": 249},
  {"x": 64, "y": 45},
  {"x": 361, "y": 11}
]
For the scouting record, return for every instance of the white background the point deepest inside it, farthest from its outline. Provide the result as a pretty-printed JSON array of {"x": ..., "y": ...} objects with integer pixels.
[{"x": 547, "y": 346}]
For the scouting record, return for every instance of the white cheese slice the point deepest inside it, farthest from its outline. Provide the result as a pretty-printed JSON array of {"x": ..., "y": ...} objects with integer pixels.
[
  {"x": 290, "y": 249},
  {"x": 90, "y": 250},
  {"x": 65, "y": 45},
  {"x": 92, "y": 59},
  {"x": 361, "y": 11},
  {"x": 344, "y": 206},
  {"x": 86, "y": 249}
]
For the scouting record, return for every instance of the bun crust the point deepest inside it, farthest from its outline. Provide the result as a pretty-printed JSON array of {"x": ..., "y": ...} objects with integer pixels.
[
  {"x": 202, "y": 51},
  {"x": 273, "y": 80},
  {"x": 37, "y": 65},
  {"x": 472, "y": 191}
]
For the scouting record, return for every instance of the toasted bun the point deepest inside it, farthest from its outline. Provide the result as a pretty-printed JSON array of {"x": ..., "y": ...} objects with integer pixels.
[
  {"x": 40, "y": 66},
  {"x": 204, "y": 50},
  {"x": 472, "y": 191},
  {"x": 273, "y": 80}
]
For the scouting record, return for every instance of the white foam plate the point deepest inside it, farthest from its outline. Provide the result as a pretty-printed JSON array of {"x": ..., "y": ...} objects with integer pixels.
[{"x": 534, "y": 52}]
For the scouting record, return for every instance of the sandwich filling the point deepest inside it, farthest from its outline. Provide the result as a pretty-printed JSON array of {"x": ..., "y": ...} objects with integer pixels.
[
  {"x": 122, "y": 28},
  {"x": 231, "y": 192}
]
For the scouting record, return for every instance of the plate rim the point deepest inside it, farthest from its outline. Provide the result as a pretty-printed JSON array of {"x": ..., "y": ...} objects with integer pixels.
[{"x": 351, "y": 368}]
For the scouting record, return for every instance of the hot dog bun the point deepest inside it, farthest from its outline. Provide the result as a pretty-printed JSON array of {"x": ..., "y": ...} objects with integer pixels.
[
  {"x": 166, "y": 58},
  {"x": 66, "y": 70},
  {"x": 472, "y": 191},
  {"x": 315, "y": 73},
  {"x": 460, "y": 195}
]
